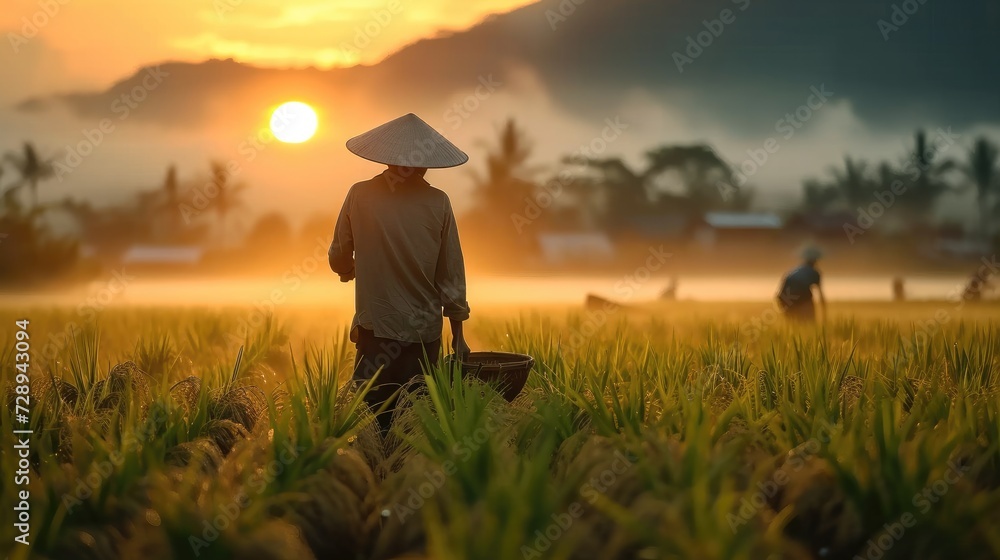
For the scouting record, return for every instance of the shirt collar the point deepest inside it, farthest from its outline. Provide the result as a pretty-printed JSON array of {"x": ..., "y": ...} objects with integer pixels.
[{"x": 412, "y": 180}]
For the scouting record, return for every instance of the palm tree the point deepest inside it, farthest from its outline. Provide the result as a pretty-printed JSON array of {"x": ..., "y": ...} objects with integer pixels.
[
  {"x": 509, "y": 180},
  {"x": 819, "y": 195},
  {"x": 161, "y": 207},
  {"x": 927, "y": 177},
  {"x": 32, "y": 168},
  {"x": 509, "y": 176},
  {"x": 11, "y": 205},
  {"x": 227, "y": 195},
  {"x": 888, "y": 176},
  {"x": 983, "y": 171},
  {"x": 169, "y": 207},
  {"x": 853, "y": 182}
]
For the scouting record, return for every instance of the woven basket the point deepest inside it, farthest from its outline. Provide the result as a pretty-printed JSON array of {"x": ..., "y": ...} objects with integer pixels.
[{"x": 508, "y": 372}]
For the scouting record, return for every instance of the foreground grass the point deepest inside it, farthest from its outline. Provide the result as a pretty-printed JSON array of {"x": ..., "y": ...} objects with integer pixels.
[{"x": 688, "y": 431}]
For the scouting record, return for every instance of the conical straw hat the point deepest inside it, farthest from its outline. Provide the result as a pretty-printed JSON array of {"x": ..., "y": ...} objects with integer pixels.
[{"x": 409, "y": 142}]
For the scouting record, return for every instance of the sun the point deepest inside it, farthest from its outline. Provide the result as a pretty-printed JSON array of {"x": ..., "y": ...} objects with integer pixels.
[{"x": 294, "y": 122}]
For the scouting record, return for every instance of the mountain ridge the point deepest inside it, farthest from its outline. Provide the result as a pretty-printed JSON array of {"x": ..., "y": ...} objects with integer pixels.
[{"x": 937, "y": 65}]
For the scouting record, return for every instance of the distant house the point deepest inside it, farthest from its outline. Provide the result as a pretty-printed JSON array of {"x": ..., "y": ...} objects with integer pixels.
[
  {"x": 737, "y": 228},
  {"x": 162, "y": 256},
  {"x": 822, "y": 224},
  {"x": 580, "y": 246},
  {"x": 660, "y": 227}
]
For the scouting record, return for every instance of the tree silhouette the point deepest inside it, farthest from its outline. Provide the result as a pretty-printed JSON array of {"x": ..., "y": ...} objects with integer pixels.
[
  {"x": 32, "y": 169},
  {"x": 503, "y": 193},
  {"x": 888, "y": 177},
  {"x": 170, "y": 205},
  {"x": 227, "y": 195},
  {"x": 270, "y": 231},
  {"x": 819, "y": 196},
  {"x": 982, "y": 170},
  {"x": 926, "y": 178},
  {"x": 159, "y": 209},
  {"x": 626, "y": 191},
  {"x": 110, "y": 228},
  {"x": 509, "y": 177},
  {"x": 853, "y": 182},
  {"x": 707, "y": 181},
  {"x": 702, "y": 172},
  {"x": 29, "y": 252}
]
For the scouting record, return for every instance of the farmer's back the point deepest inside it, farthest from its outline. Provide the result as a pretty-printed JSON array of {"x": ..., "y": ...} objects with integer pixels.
[
  {"x": 797, "y": 287},
  {"x": 406, "y": 253}
]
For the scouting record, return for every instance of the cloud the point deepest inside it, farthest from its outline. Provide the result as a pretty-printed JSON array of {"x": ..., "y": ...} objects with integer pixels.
[
  {"x": 211, "y": 45},
  {"x": 107, "y": 39}
]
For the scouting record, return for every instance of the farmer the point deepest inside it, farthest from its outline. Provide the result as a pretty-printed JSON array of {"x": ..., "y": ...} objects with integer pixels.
[
  {"x": 795, "y": 296},
  {"x": 396, "y": 235},
  {"x": 898, "y": 289}
]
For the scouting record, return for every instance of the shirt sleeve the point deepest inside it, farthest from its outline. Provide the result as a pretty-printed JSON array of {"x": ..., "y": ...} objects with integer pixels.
[
  {"x": 450, "y": 274},
  {"x": 341, "y": 251}
]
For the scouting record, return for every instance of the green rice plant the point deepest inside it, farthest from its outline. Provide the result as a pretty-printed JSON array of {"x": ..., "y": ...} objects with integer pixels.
[
  {"x": 323, "y": 404},
  {"x": 796, "y": 443},
  {"x": 82, "y": 361},
  {"x": 456, "y": 421},
  {"x": 156, "y": 355},
  {"x": 265, "y": 344}
]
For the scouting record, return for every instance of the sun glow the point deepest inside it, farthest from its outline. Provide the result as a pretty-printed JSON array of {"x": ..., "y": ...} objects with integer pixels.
[{"x": 294, "y": 122}]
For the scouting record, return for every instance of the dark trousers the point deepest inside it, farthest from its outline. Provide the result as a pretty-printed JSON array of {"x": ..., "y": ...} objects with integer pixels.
[
  {"x": 801, "y": 311},
  {"x": 401, "y": 363}
]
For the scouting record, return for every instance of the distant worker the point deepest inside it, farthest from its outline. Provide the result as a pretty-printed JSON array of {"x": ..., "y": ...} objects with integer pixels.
[
  {"x": 975, "y": 288},
  {"x": 795, "y": 298},
  {"x": 898, "y": 289},
  {"x": 670, "y": 292}
]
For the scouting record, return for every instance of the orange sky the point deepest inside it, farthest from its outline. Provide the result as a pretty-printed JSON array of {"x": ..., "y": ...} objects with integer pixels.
[{"x": 99, "y": 41}]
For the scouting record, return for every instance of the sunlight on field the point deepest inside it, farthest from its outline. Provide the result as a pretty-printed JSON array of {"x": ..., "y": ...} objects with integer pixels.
[
  {"x": 678, "y": 429},
  {"x": 489, "y": 291}
]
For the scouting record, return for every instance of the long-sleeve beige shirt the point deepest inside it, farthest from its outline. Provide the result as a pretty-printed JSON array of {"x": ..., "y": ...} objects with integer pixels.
[{"x": 401, "y": 241}]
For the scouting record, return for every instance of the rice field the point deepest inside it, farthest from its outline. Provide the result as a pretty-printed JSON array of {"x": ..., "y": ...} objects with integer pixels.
[{"x": 679, "y": 431}]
